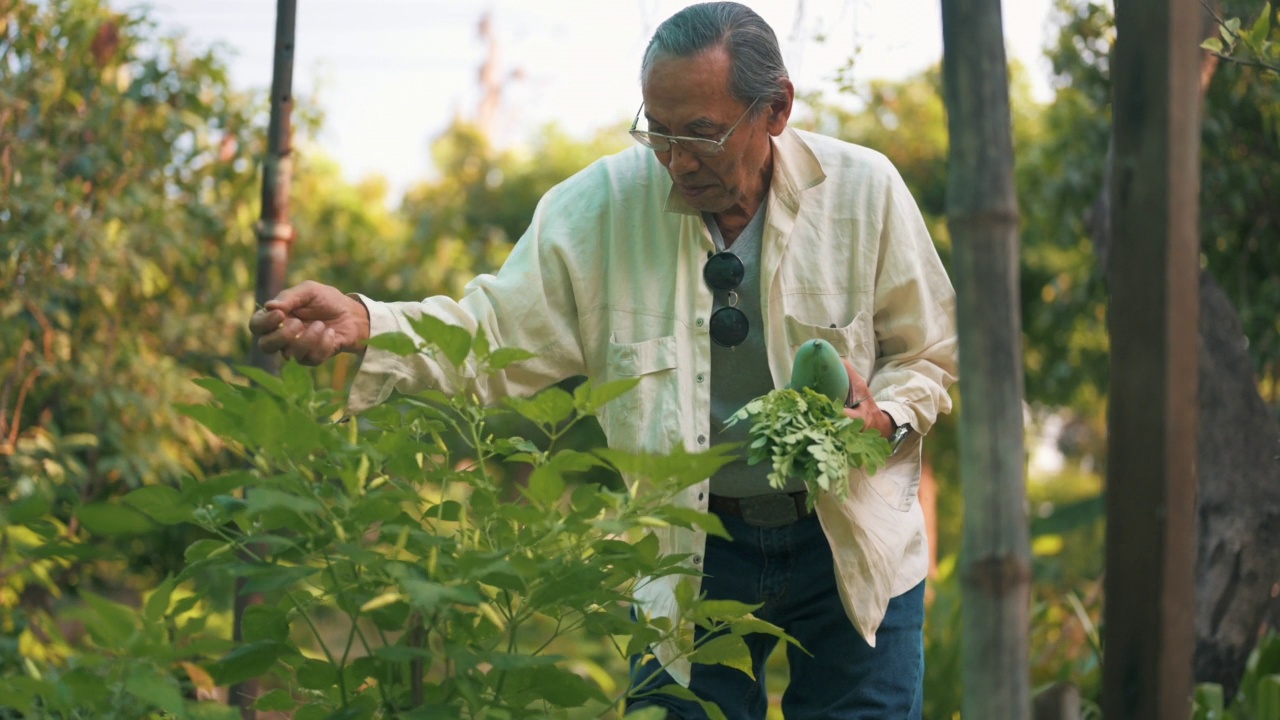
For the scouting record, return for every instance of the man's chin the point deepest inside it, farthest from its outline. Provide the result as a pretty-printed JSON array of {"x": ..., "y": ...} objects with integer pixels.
[{"x": 709, "y": 202}]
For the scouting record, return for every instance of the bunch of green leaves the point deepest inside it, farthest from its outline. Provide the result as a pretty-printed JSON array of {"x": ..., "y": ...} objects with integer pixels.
[
  {"x": 806, "y": 434},
  {"x": 1259, "y": 694},
  {"x": 1253, "y": 46}
]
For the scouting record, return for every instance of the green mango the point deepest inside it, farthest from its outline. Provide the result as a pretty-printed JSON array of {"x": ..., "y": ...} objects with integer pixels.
[{"x": 818, "y": 366}]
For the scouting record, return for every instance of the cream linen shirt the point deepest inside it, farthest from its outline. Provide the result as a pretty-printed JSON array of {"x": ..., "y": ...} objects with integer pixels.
[{"x": 607, "y": 283}]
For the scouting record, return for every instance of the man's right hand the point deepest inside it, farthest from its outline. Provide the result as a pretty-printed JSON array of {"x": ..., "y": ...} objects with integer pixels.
[{"x": 311, "y": 323}]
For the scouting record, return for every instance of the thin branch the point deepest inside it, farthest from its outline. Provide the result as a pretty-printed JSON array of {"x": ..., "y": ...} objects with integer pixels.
[{"x": 1234, "y": 38}]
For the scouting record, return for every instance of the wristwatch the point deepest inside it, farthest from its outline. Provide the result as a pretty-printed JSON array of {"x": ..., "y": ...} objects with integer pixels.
[{"x": 897, "y": 437}]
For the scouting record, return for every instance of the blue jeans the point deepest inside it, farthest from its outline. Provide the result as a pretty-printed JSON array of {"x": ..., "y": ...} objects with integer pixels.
[{"x": 789, "y": 569}]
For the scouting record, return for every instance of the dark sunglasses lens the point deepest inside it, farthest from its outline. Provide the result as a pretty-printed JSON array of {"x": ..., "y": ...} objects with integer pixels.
[
  {"x": 723, "y": 271},
  {"x": 729, "y": 327}
]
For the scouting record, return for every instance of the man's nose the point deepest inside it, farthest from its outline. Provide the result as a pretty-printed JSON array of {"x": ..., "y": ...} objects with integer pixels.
[{"x": 682, "y": 161}]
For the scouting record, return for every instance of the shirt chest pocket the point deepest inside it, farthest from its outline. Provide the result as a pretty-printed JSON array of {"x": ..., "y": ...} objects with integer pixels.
[
  {"x": 647, "y": 417},
  {"x": 855, "y": 340}
]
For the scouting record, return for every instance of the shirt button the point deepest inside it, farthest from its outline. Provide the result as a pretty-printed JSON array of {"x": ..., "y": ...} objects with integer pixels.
[
  {"x": 702, "y": 439},
  {"x": 697, "y": 559},
  {"x": 701, "y": 377},
  {"x": 699, "y": 322}
]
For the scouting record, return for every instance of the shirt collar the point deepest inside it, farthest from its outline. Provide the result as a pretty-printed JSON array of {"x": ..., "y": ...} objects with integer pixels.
[{"x": 795, "y": 169}]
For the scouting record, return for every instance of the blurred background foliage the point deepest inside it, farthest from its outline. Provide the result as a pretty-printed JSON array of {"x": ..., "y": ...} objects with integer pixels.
[{"x": 129, "y": 181}]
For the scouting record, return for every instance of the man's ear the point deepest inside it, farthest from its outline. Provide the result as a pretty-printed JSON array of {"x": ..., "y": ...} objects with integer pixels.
[{"x": 780, "y": 109}]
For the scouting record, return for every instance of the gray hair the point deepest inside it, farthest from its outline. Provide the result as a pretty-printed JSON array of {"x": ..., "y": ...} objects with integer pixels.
[{"x": 756, "y": 67}]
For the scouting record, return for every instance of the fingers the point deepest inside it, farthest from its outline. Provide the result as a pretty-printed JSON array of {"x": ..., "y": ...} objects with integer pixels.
[
  {"x": 264, "y": 322},
  {"x": 313, "y": 345},
  {"x": 308, "y": 343},
  {"x": 290, "y": 299},
  {"x": 293, "y": 324},
  {"x": 857, "y": 384},
  {"x": 278, "y": 333}
]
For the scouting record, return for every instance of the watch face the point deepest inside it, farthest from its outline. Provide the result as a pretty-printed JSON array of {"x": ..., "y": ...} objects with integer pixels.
[{"x": 895, "y": 440}]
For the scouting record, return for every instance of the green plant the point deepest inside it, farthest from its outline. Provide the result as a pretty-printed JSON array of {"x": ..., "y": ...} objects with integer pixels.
[
  {"x": 1259, "y": 694},
  {"x": 398, "y": 577}
]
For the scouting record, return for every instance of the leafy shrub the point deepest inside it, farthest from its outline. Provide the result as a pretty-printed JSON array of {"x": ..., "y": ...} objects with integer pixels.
[{"x": 396, "y": 575}]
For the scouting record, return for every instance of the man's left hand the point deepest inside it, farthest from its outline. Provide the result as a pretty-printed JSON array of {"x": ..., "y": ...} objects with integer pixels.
[{"x": 862, "y": 406}]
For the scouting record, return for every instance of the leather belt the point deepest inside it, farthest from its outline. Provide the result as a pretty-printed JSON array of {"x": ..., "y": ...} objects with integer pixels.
[{"x": 767, "y": 511}]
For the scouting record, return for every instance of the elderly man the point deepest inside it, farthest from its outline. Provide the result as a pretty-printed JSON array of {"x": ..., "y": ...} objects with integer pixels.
[{"x": 698, "y": 264}]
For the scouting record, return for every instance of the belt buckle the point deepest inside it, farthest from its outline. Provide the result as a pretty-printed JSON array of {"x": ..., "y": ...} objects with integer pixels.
[{"x": 769, "y": 511}]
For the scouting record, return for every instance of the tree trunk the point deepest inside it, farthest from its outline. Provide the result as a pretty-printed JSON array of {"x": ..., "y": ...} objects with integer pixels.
[
  {"x": 1239, "y": 455},
  {"x": 1151, "y": 424},
  {"x": 982, "y": 214}
]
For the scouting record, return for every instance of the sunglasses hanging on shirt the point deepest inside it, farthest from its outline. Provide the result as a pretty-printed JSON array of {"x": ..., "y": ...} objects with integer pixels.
[{"x": 724, "y": 272}]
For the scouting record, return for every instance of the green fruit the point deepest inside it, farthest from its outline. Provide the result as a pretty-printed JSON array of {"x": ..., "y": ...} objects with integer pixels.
[{"x": 818, "y": 366}]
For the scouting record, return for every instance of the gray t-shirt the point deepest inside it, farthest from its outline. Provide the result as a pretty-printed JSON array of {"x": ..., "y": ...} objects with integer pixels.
[{"x": 741, "y": 374}]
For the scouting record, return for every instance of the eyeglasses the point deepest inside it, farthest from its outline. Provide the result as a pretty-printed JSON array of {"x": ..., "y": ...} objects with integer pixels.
[
  {"x": 729, "y": 325},
  {"x": 702, "y": 147}
]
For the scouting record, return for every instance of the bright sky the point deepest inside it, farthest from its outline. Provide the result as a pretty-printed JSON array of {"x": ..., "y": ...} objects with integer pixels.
[{"x": 390, "y": 74}]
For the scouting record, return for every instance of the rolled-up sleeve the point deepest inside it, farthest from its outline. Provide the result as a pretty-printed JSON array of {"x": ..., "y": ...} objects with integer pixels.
[
  {"x": 528, "y": 304},
  {"x": 914, "y": 317}
]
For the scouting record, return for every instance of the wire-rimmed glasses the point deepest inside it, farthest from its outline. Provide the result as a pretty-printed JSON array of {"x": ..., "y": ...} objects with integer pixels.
[{"x": 702, "y": 147}]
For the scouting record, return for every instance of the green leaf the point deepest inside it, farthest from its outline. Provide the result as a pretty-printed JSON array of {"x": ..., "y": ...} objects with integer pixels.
[
  {"x": 211, "y": 711},
  {"x": 158, "y": 603},
  {"x": 712, "y": 710},
  {"x": 1268, "y": 697},
  {"x": 502, "y": 358},
  {"x": 316, "y": 675},
  {"x": 246, "y": 662},
  {"x": 110, "y": 623},
  {"x": 162, "y": 503},
  {"x": 1212, "y": 45},
  {"x": 278, "y": 700},
  {"x": 754, "y": 625},
  {"x": 201, "y": 549},
  {"x": 264, "y": 422},
  {"x": 264, "y": 622},
  {"x": 546, "y": 486},
  {"x": 427, "y": 595},
  {"x": 221, "y": 422},
  {"x": 723, "y": 610},
  {"x": 401, "y": 653},
  {"x": 84, "y": 688},
  {"x": 728, "y": 650},
  {"x": 679, "y": 469},
  {"x": 264, "y": 379},
  {"x": 263, "y": 499},
  {"x": 1261, "y": 27},
  {"x": 297, "y": 380},
  {"x": 447, "y": 511},
  {"x": 591, "y": 397},
  {"x": 148, "y": 685},
  {"x": 648, "y": 712},
  {"x": 549, "y": 407},
  {"x": 276, "y": 577},
  {"x": 196, "y": 492},
  {"x": 393, "y": 342},
  {"x": 452, "y": 340},
  {"x": 110, "y": 519},
  {"x": 688, "y": 517},
  {"x": 565, "y": 689},
  {"x": 27, "y": 509}
]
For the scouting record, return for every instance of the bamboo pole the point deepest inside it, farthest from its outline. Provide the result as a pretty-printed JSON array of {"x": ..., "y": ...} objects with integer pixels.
[{"x": 982, "y": 214}]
